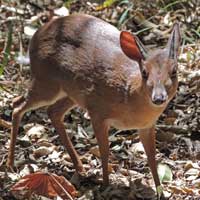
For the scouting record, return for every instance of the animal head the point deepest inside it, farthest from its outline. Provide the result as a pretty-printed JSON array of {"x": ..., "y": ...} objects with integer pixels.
[{"x": 159, "y": 68}]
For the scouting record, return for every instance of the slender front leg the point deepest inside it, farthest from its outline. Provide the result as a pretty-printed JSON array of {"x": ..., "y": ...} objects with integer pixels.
[
  {"x": 147, "y": 137},
  {"x": 101, "y": 133}
]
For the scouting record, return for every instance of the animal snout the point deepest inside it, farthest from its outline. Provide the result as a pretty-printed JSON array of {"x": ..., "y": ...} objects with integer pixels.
[
  {"x": 159, "y": 94},
  {"x": 159, "y": 99}
]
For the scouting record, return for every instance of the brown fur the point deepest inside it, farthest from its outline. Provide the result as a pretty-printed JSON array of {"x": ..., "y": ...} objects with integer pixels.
[{"x": 77, "y": 61}]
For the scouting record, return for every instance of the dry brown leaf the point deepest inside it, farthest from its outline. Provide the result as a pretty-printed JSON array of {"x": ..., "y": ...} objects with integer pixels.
[
  {"x": 44, "y": 143},
  {"x": 5, "y": 124},
  {"x": 188, "y": 190},
  {"x": 36, "y": 132},
  {"x": 110, "y": 168},
  {"x": 46, "y": 184},
  {"x": 42, "y": 151},
  {"x": 170, "y": 120},
  {"x": 190, "y": 165},
  {"x": 177, "y": 190},
  {"x": 95, "y": 151}
]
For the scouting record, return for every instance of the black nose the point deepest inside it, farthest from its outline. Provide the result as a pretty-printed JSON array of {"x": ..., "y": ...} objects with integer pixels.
[{"x": 158, "y": 100}]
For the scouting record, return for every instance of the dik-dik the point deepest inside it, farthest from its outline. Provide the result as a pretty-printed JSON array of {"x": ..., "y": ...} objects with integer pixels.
[{"x": 83, "y": 61}]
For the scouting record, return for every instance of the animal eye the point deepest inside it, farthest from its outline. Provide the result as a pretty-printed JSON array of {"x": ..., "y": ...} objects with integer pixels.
[{"x": 144, "y": 74}]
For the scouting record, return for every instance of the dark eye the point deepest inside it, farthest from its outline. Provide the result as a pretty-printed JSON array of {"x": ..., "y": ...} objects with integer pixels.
[{"x": 144, "y": 74}]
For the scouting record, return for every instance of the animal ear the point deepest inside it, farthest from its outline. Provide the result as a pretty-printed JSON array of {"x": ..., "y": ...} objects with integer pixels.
[
  {"x": 132, "y": 46},
  {"x": 174, "y": 42}
]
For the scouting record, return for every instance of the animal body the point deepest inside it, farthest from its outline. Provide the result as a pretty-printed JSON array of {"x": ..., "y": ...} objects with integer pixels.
[{"x": 83, "y": 61}]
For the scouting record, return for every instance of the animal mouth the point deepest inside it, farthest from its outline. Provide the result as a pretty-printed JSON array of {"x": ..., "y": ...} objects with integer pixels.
[{"x": 158, "y": 102}]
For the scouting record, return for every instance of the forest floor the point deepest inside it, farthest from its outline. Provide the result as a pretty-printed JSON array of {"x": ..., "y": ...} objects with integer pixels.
[{"x": 38, "y": 146}]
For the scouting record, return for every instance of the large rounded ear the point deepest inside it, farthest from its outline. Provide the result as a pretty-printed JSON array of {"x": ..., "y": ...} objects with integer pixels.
[
  {"x": 132, "y": 46},
  {"x": 174, "y": 42}
]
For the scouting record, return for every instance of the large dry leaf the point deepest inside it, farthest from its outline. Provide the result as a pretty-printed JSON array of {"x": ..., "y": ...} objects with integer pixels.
[{"x": 46, "y": 184}]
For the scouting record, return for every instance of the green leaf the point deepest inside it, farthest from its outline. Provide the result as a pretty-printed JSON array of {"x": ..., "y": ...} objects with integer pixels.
[
  {"x": 68, "y": 3},
  {"x": 164, "y": 173},
  {"x": 108, "y": 3},
  {"x": 171, "y": 4},
  {"x": 159, "y": 190},
  {"x": 123, "y": 2},
  {"x": 196, "y": 32},
  {"x": 188, "y": 39},
  {"x": 124, "y": 15},
  {"x": 189, "y": 56},
  {"x": 1, "y": 69}
]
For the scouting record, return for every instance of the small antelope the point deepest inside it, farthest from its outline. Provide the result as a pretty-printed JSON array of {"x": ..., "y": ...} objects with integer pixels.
[{"x": 80, "y": 60}]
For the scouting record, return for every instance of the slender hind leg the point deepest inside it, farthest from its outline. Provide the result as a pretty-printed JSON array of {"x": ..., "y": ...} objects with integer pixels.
[
  {"x": 56, "y": 113},
  {"x": 40, "y": 94},
  {"x": 17, "y": 101}
]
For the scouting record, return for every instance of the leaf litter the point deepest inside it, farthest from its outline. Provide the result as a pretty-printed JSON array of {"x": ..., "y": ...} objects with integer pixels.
[{"x": 178, "y": 127}]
